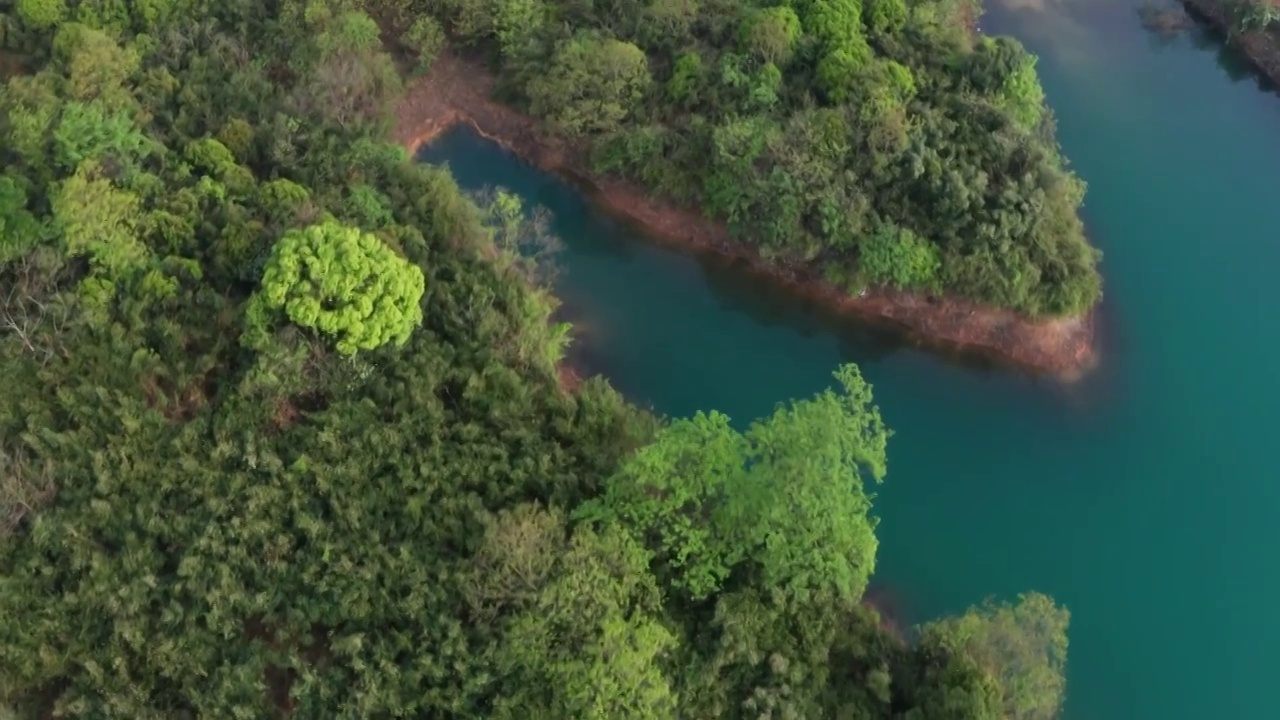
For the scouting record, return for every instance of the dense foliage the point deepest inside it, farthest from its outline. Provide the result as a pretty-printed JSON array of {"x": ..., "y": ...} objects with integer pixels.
[
  {"x": 281, "y": 432},
  {"x": 813, "y": 127}
]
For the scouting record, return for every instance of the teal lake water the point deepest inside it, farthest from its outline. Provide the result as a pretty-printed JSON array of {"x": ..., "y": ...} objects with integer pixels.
[{"x": 1145, "y": 497}]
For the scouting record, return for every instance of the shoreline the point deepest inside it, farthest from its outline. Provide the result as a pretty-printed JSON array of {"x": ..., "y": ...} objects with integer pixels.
[
  {"x": 1259, "y": 46},
  {"x": 456, "y": 91}
]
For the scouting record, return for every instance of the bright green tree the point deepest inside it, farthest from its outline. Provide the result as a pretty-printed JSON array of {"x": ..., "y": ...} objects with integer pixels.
[
  {"x": 785, "y": 498},
  {"x": 686, "y": 78},
  {"x": 20, "y": 232},
  {"x": 898, "y": 257},
  {"x": 840, "y": 71},
  {"x": 426, "y": 39},
  {"x": 1022, "y": 94},
  {"x": 98, "y": 220},
  {"x": 89, "y": 131},
  {"x": 887, "y": 16},
  {"x": 345, "y": 283},
  {"x": 836, "y": 23},
  {"x": 99, "y": 66},
  {"x": 42, "y": 13},
  {"x": 1022, "y": 646}
]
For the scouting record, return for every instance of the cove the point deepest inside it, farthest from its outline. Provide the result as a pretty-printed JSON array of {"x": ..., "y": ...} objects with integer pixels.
[{"x": 1144, "y": 497}]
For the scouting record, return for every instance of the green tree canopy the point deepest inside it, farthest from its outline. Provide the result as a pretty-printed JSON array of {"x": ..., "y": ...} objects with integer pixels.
[
  {"x": 1021, "y": 646},
  {"x": 783, "y": 501},
  {"x": 899, "y": 258},
  {"x": 583, "y": 640},
  {"x": 345, "y": 283}
]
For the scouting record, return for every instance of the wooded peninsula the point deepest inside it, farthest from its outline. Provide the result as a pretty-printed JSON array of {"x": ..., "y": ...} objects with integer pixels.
[
  {"x": 281, "y": 427},
  {"x": 884, "y": 143}
]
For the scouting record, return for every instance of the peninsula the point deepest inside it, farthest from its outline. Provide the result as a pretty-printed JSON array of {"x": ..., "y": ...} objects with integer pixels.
[{"x": 904, "y": 169}]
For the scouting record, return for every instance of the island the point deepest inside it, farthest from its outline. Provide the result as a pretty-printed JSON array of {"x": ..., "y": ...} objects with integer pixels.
[{"x": 282, "y": 432}]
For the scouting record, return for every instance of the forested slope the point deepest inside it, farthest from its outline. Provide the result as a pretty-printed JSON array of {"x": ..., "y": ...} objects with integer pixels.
[
  {"x": 280, "y": 432},
  {"x": 878, "y": 141}
]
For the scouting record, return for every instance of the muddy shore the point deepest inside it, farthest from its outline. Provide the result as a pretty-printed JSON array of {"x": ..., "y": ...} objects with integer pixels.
[
  {"x": 1261, "y": 47},
  {"x": 459, "y": 91}
]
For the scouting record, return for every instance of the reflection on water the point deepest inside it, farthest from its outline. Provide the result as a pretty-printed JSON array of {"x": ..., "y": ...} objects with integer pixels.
[
  {"x": 1238, "y": 67},
  {"x": 1059, "y": 24},
  {"x": 1086, "y": 35}
]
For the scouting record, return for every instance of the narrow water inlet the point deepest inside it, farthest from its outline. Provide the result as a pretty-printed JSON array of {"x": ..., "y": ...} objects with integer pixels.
[
  {"x": 763, "y": 288},
  {"x": 999, "y": 483}
]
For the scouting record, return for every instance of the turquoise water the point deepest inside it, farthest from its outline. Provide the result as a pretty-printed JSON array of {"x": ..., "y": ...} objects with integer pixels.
[{"x": 1144, "y": 497}]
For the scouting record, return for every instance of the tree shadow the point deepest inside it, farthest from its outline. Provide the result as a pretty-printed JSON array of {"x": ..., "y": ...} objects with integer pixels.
[{"x": 1204, "y": 36}]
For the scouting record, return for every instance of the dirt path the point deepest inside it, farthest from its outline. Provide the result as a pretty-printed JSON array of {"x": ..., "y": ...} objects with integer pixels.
[{"x": 457, "y": 90}]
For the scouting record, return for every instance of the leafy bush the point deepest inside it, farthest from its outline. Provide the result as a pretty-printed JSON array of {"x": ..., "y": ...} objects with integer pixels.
[
  {"x": 345, "y": 283},
  {"x": 592, "y": 85},
  {"x": 426, "y": 38},
  {"x": 898, "y": 257}
]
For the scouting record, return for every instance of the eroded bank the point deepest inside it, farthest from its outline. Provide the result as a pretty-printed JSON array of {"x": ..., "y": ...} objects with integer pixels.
[{"x": 1261, "y": 46}]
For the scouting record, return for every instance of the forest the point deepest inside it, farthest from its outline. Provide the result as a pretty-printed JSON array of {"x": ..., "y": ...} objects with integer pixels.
[
  {"x": 877, "y": 142},
  {"x": 282, "y": 434}
]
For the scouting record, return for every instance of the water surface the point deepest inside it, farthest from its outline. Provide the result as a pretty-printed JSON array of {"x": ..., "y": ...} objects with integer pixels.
[{"x": 1145, "y": 497}]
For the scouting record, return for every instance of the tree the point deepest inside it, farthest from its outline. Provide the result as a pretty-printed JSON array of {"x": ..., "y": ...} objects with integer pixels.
[
  {"x": 898, "y": 257},
  {"x": 190, "y": 529},
  {"x": 835, "y": 23},
  {"x": 88, "y": 131},
  {"x": 26, "y": 484},
  {"x": 1002, "y": 68},
  {"x": 1022, "y": 646},
  {"x": 887, "y": 16},
  {"x": 784, "y": 500},
  {"x": 344, "y": 283},
  {"x": 98, "y": 66},
  {"x": 1022, "y": 94},
  {"x": 1256, "y": 15},
  {"x": 839, "y": 71},
  {"x": 514, "y": 22},
  {"x": 99, "y": 220},
  {"x": 686, "y": 78},
  {"x": 771, "y": 33},
  {"x": 582, "y": 639},
  {"x": 591, "y": 86},
  {"x": 426, "y": 38},
  {"x": 666, "y": 23}
]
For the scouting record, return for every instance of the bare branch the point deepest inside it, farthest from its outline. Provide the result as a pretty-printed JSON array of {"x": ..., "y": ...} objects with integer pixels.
[
  {"x": 31, "y": 312},
  {"x": 26, "y": 484}
]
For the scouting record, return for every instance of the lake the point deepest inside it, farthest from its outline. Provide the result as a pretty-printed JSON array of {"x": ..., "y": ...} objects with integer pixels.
[{"x": 1143, "y": 497}]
